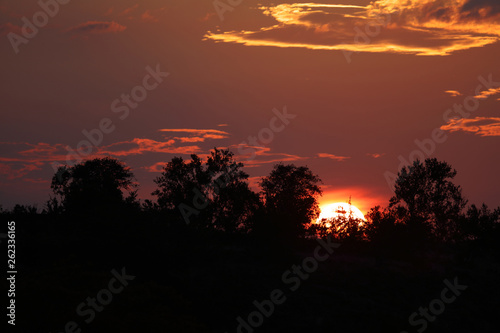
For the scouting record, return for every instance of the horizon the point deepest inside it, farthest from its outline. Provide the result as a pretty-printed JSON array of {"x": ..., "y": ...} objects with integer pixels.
[{"x": 351, "y": 90}]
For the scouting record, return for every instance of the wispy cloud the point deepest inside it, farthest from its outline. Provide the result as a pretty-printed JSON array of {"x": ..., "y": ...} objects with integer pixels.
[
  {"x": 128, "y": 11},
  {"x": 453, "y": 93},
  {"x": 375, "y": 155},
  {"x": 254, "y": 156},
  {"x": 333, "y": 157},
  {"x": 421, "y": 27},
  {"x": 487, "y": 93},
  {"x": 482, "y": 126},
  {"x": 196, "y": 135},
  {"x": 13, "y": 171},
  {"x": 152, "y": 15},
  {"x": 96, "y": 27}
]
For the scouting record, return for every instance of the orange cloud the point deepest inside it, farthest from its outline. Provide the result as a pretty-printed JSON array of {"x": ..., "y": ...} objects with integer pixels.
[
  {"x": 254, "y": 156},
  {"x": 482, "y": 126},
  {"x": 453, "y": 93},
  {"x": 375, "y": 155},
  {"x": 487, "y": 93},
  {"x": 195, "y": 131},
  {"x": 421, "y": 27},
  {"x": 157, "y": 167},
  {"x": 34, "y": 155},
  {"x": 197, "y": 135},
  {"x": 190, "y": 139},
  {"x": 333, "y": 157},
  {"x": 139, "y": 146}
]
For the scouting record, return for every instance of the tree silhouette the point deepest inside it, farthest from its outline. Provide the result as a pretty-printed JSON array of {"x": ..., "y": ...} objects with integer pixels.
[
  {"x": 178, "y": 180},
  {"x": 479, "y": 223},
  {"x": 431, "y": 201},
  {"x": 215, "y": 195},
  {"x": 94, "y": 186},
  {"x": 290, "y": 197},
  {"x": 232, "y": 203}
]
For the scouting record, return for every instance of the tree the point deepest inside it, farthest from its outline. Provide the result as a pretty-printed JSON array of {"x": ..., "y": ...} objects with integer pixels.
[
  {"x": 290, "y": 196},
  {"x": 94, "y": 186},
  {"x": 232, "y": 203},
  {"x": 178, "y": 181},
  {"x": 479, "y": 223},
  {"x": 431, "y": 201},
  {"x": 215, "y": 195}
]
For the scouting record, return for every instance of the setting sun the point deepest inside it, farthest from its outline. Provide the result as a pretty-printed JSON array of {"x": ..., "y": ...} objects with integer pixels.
[{"x": 340, "y": 209}]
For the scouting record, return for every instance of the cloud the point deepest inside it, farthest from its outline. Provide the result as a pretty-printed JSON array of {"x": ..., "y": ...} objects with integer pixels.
[
  {"x": 41, "y": 153},
  {"x": 139, "y": 146},
  {"x": 197, "y": 135},
  {"x": 375, "y": 155},
  {"x": 157, "y": 167},
  {"x": 254, "y": 156},
  {"x": 421, "y": 27},
  {"x": 152, "y": 15},
  {"x": 453, "y": 93},
  {"x": 487, "y": 93},
  {"x": 333, "y": 157},
  {"x": 95, "y": 27},
  {"x": 13, "y": 172},
  {"x": 191, "y": 130},
  {"x": 207, "y": 17},
  {"x": 482, "y": 126},
  {"x": 129, "y": 10}
]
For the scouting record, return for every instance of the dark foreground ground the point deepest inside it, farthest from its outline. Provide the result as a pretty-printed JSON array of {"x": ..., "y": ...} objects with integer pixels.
[{"x": 187, "y": 281}]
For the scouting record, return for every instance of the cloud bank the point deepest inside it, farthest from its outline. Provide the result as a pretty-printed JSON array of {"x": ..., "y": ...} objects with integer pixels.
[{"x": 420, "y": 27}]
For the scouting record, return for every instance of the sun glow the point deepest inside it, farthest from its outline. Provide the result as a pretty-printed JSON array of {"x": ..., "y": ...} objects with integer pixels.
[{"x": 339, "y": 209}]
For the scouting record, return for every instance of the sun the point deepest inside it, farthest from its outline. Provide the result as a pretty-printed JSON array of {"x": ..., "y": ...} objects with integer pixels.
[{"x": 340, "y": 209}]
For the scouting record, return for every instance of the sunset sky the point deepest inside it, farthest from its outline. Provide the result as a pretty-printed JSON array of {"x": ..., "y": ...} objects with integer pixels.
[{"x": 349, "y": 88}]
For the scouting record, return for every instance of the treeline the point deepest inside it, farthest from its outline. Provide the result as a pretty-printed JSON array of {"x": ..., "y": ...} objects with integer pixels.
[{"x": 426, "y": 208}]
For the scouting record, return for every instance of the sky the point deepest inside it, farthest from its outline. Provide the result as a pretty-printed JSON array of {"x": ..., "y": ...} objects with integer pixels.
[{"x": 352, "y": 89}]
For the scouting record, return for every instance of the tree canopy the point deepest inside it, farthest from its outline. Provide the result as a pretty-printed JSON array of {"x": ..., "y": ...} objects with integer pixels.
[
  {"x": 215, "y": 194},
  {"x": 290, "y": 196},
  {"x": 95, "y": 185},
  {"x": 426, "y": 193}
]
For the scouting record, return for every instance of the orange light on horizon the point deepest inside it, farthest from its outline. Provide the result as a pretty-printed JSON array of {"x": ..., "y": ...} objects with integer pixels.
[
  {"x": 361, "y": 198},
  {"x": 337, "y": 209}
]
